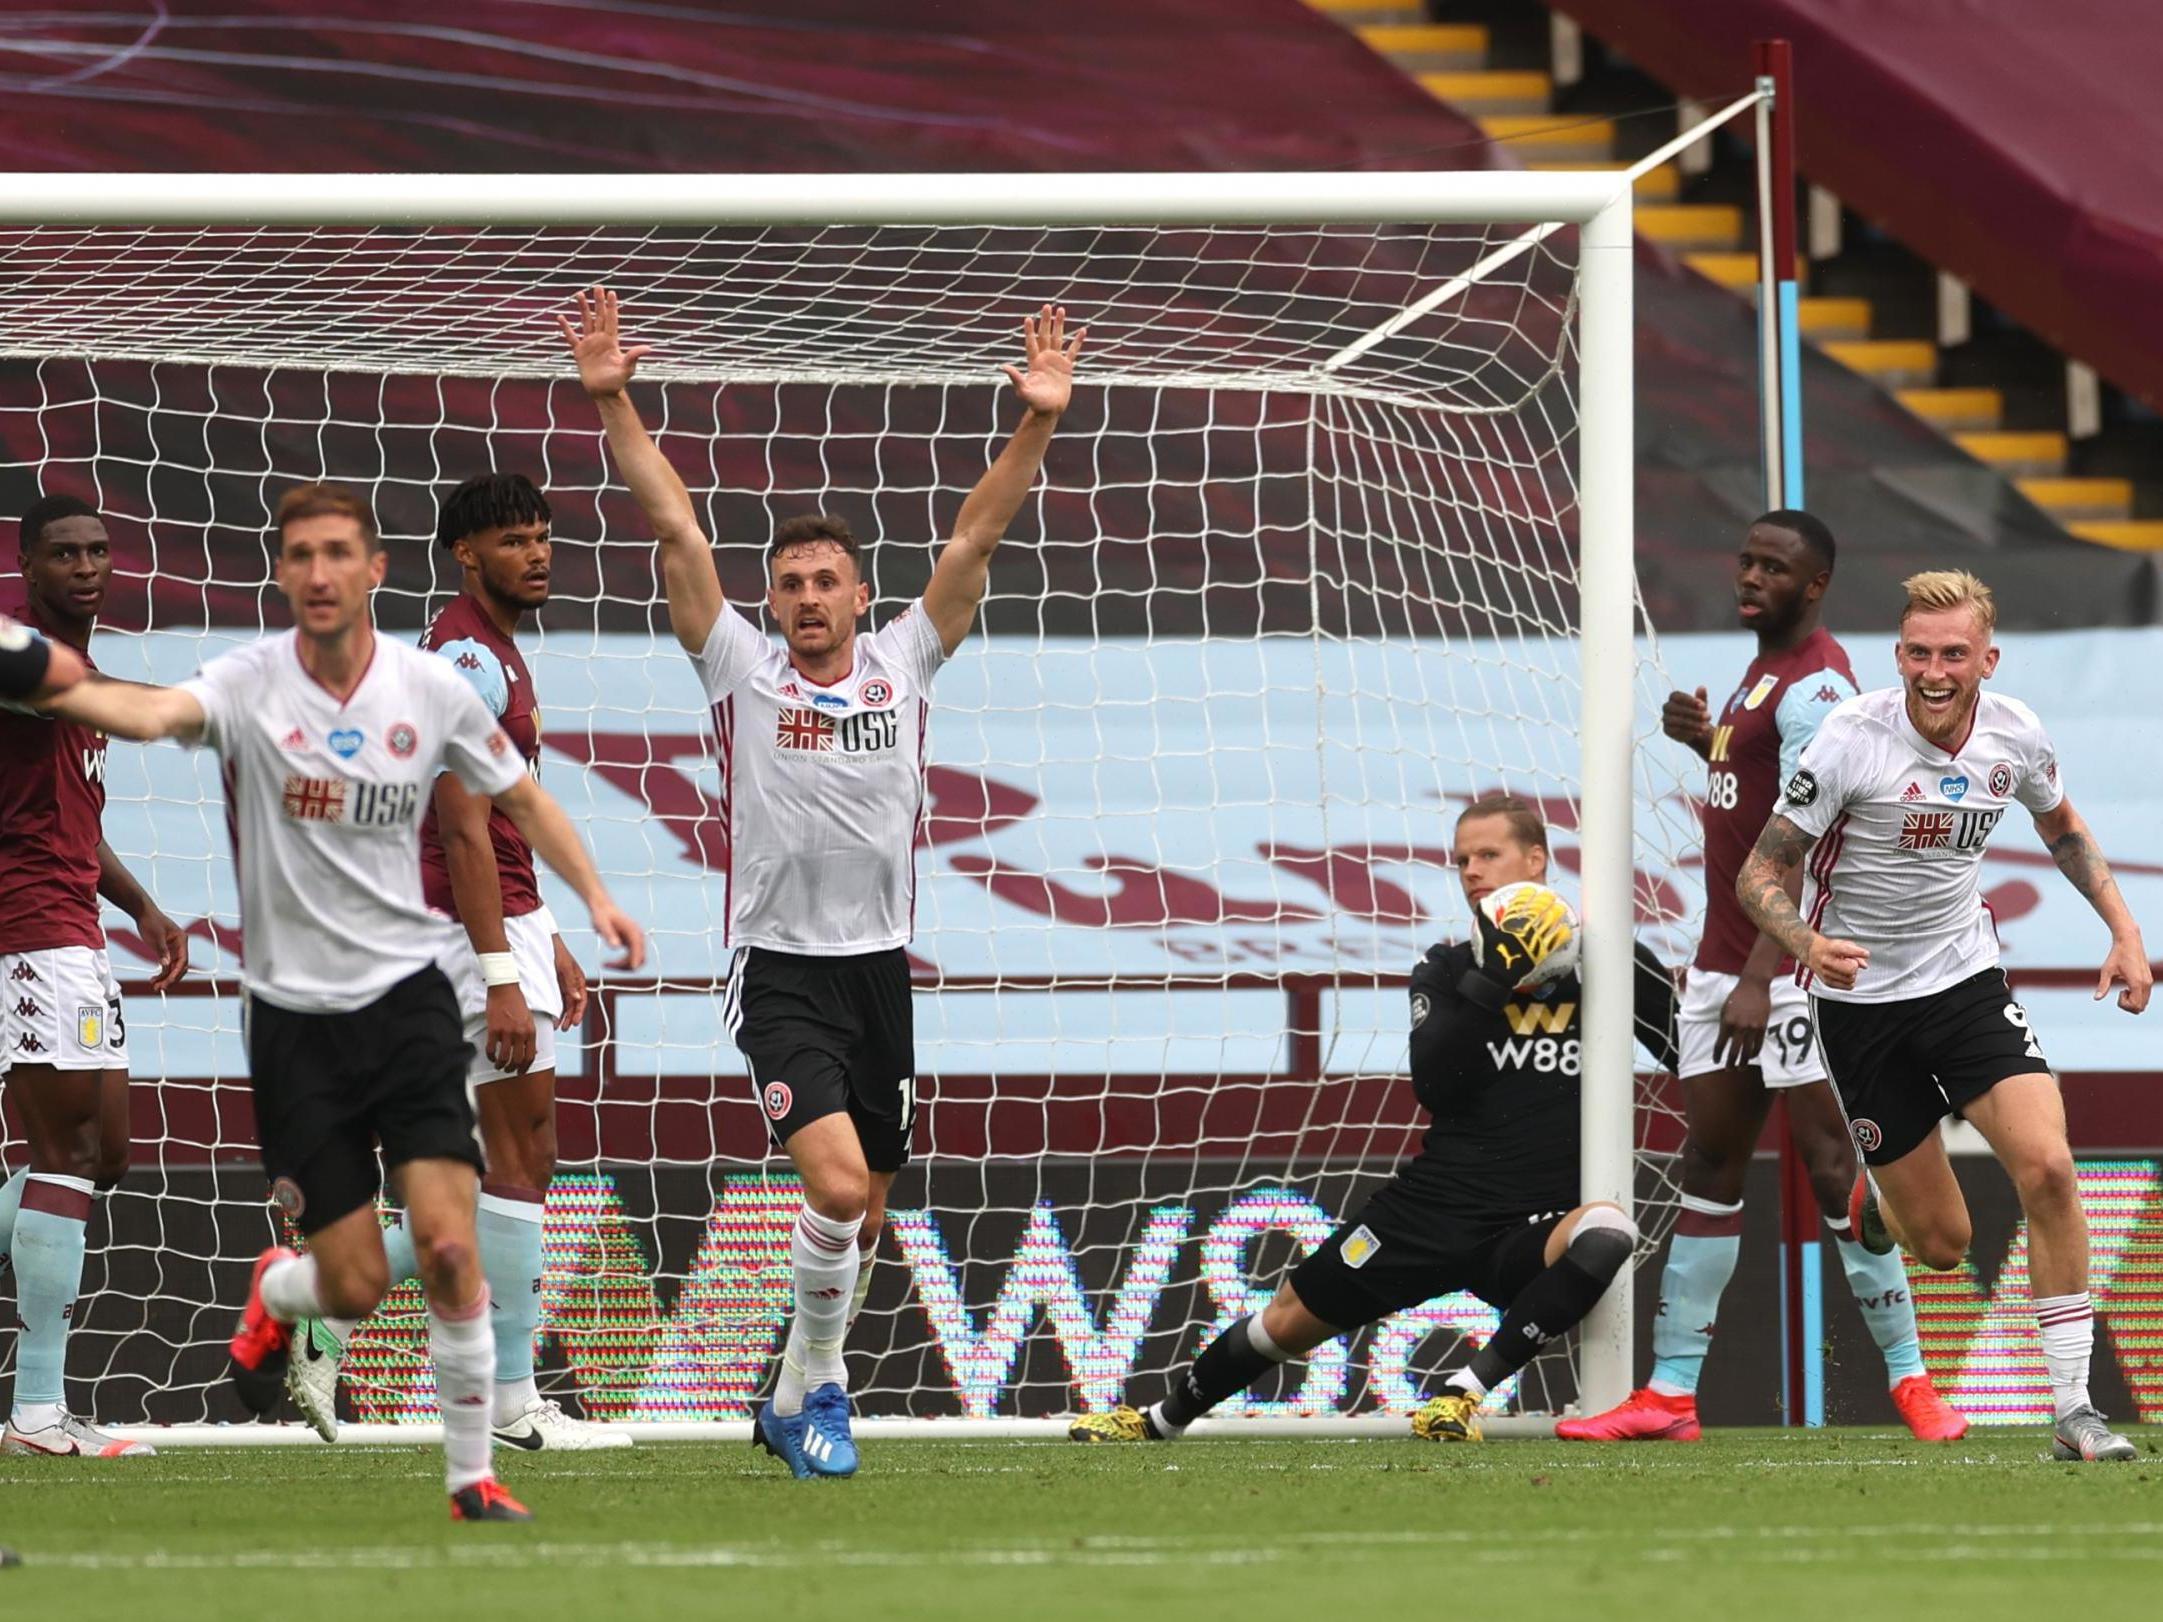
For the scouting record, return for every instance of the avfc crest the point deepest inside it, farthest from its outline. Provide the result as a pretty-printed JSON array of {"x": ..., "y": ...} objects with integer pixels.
[{"x": 89, "y": 1026}]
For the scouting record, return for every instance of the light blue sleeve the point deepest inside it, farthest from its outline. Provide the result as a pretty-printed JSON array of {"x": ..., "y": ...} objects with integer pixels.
[
  {"x": 1807, "y": 701},
  {"x": 483, "y": 672}
]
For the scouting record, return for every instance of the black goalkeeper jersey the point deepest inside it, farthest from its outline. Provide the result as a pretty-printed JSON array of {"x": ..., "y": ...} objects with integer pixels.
[{"x": 1502, "y": 1087}]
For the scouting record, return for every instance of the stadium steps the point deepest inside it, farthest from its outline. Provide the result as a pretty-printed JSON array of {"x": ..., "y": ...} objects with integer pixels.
[
  {"x": 1428, "y": 47},
  {"x": 1376, "y": 14},
  {"x": 1891, "y": 363},
  {"x": 1488, "y": 64},
  {"x": 2024, "y": 454},
  {"x": 2127, "y": 534},
  {"x": 1661, "y": 185},
  {"x": 1554, "y": 137},
  {"x": 2081, "y": 500},
  {"x": 1950, "y": 409}
]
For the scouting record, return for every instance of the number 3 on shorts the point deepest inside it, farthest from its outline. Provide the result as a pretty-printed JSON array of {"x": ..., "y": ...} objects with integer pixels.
[{"x": 2017, "y": 1015}]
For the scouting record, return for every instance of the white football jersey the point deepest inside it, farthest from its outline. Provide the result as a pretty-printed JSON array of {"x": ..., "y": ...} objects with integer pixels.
[
  {"x": 1901, "y": 825},
  {"x": 821, "y": 787},
  {"x": 324, "y": 802}
]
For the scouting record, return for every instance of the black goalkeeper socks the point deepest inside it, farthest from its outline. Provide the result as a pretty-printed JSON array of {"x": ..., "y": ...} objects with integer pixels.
[
  {"x": 1228, "y": 1365},
  {"x": 1555, "y": 1302}
]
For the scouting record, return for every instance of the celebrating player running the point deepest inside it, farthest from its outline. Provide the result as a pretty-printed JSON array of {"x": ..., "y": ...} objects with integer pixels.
[
  {"x": 1745, "y": 1024},
  {"x": 332, "y": 738},
  {"x": 1490, "y": 1202},
  {"x": 1892, "y": 805},
  {"x": 822, "y": 763}
]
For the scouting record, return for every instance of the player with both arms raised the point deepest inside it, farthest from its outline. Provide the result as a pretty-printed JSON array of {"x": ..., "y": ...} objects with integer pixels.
[
  {"x": 1745, "y": 1024},
  {"x": 822, "y": 769},
  {"x": 1490, "y": 1203},
  {"x": 517, "y": 986},
  {"x": 1891, "y": 809},
  {"x": 332, "y": 738}
]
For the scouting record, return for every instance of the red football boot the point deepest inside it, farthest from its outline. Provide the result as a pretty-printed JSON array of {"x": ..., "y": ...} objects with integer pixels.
[
  {"x": 1643, "y": 1416},
  {"x": 1927, "y": 1414},
  {"x": 486, "y": 1500},
  {"x": 260, "y": 1344}
]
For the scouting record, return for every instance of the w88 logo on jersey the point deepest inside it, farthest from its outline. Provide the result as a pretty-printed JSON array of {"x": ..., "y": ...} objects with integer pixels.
[{"x": 1723, "y": 791}]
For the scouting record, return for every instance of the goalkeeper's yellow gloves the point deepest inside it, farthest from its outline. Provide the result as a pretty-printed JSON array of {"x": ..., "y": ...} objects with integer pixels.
[{"x": 1533, "y": 927}]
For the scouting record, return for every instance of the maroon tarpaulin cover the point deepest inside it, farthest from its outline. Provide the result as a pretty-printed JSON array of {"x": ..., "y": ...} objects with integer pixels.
[
  {"x": 2015, "y": 143},
  {"x": 871, "y": 85}
]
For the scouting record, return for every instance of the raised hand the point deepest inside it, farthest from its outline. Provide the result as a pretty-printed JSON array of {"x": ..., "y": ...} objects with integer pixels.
[
  {"x": 596, "y": 343},
  {"x": 1686, "y": 718},
  {"x": 1045, "y": 380}
]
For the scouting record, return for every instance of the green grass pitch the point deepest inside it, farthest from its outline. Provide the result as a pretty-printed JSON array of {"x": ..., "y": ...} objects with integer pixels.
[{"x": 1749, "y": 1526}]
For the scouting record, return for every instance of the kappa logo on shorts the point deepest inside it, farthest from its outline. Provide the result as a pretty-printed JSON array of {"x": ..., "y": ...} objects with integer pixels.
[
  {"x": 1359, "y": 1247},
  {"x": 285, "y": 1194},
  {"x": 776, "y": 1099},
  {"x": 1866, "y": 1133},
  {"x": 89, "y": 1025}
]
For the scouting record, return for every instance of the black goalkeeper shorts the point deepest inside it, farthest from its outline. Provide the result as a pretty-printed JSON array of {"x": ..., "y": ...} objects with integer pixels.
[
  {"x": 1399, "y": 1252},
  {"x": 330, "y": 1088}
]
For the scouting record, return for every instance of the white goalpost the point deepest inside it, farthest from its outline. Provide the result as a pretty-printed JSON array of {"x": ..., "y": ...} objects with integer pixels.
[{"x": 1338, "y": 535}]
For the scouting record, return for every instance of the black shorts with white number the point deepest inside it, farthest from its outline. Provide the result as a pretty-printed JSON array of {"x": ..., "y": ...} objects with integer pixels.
[
  {"x": 1401, "y": 1250},
  {"x": 826, "y": 1036},
  {"x": 1902, "y": 1067},
  {"x": 330, "y": 1088}
]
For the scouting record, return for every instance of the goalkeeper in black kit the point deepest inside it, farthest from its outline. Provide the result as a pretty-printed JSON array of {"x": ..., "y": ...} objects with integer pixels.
[{"x": 1490, "y": 1202}]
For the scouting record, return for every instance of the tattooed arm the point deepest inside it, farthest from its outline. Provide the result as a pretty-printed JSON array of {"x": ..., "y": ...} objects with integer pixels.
[
  {"x": 1762, "y": 888},
  {"x": 2080, "y": 859}
]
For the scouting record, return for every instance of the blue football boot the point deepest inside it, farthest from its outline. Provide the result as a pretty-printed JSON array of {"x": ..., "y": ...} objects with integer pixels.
[
  {"x": 827, "y": 1447},
  {"x": 782, "y": 1437}
]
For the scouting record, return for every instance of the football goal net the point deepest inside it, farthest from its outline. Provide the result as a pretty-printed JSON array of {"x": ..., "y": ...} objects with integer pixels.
[{"x": 1337, "y": 536}]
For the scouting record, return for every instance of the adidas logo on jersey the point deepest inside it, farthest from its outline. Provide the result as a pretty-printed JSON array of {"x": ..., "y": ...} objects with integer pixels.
[
  {"x": 1912, "y": 793},
  {"x": 296, "y": 739}
]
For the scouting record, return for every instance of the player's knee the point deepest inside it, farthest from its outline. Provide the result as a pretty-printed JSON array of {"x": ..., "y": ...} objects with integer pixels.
[
  {"x": 442, "y": 1257},
  {"x": 1711, "y": 1172},
  {"x": 1941, "y": 1246},
  {"x": 353, "y": 1288},
  {"x": 110, "y": 1165},
  {"x": 839, "y": 1193},
  {"x": 1603, "y": 1241},
  {"x": 2047, "y": 1181}
]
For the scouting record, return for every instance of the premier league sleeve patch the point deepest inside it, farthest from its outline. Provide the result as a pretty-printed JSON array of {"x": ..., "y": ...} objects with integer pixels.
[{"x": 1802, "y": 788}]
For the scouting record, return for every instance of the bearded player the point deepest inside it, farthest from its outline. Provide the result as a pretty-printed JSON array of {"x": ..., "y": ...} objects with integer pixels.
[
  {"x": 331, "y": 738},
  {"x": 1892, "y": 808},
  {"x": 517, "y": 986},
  {"x": 822, "y": 767},
  {"x": 1745, "y": 1024},
  {"x": 1490, "y": 1203},
  {"x": 63, "y": 1042}
]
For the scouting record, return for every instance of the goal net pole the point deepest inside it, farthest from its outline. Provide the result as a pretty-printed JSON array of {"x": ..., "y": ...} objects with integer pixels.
[{"x": 1598, "y": 205}]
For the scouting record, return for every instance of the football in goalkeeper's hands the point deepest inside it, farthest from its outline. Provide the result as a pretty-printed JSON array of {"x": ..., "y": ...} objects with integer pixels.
[{"x": 1532, "y": 920}]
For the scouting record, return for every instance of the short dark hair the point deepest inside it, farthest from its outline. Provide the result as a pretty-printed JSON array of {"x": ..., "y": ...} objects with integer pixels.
[
  {"x": 489, "y": 501},
  {"x": 807, "y": 527},
  {"x": 1527, "y": 826},
  {"x": 45, "y": 512},
  {"x": 1809, "y": 526},
  {"x": 323, "y": 500}
]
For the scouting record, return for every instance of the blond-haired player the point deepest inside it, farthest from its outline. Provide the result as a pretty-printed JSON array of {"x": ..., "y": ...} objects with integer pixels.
[{"x": 1889, "y": 814}]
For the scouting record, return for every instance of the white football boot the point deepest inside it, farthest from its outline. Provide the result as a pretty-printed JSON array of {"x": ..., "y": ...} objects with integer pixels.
[
  {"x": 311, "y": 1375},
  {"x": 543, "y": 1427},
  {"x": 69, "y": 1437}
]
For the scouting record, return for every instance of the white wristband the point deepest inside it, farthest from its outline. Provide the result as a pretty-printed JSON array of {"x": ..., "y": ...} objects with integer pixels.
[{"x": 499, "y": 968}]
